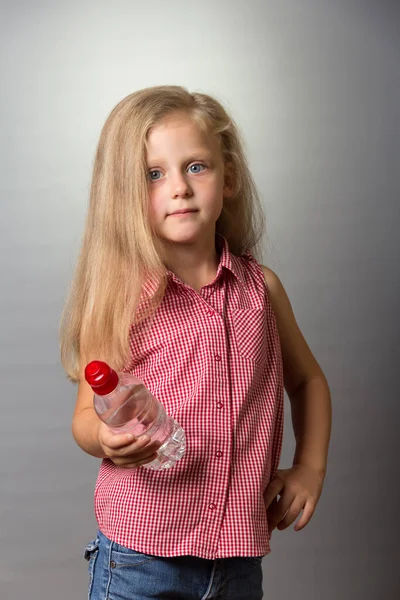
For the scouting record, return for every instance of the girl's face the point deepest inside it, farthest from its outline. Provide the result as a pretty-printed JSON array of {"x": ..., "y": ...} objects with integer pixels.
[{"x": 186, "y": 173}]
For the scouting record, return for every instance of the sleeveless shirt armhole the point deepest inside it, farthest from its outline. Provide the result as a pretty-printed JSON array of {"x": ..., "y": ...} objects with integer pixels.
[{"x": 260, "y": 273}]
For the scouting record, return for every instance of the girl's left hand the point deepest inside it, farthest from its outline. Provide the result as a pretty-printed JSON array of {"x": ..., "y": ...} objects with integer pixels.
[{"x": 299, "y": 488}]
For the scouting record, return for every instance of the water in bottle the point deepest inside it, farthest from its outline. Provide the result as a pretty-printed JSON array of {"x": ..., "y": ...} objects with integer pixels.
[{"x": 124, "y": 403}]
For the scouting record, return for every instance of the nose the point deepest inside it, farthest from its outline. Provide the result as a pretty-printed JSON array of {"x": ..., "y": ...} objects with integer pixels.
[{"x": 180, "y": 187}]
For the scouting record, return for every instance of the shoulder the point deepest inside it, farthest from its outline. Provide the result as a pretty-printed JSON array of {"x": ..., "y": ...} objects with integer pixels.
[
  {"x": 271, "y": 279},
  {"x": 275, "y": 288},
  {"x": 253, "y": 272},
  {"x": 280, "y": 303}
]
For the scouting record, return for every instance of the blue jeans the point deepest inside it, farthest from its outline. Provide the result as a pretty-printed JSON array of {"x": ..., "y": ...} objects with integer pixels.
[{"x": 118, "y": 573}]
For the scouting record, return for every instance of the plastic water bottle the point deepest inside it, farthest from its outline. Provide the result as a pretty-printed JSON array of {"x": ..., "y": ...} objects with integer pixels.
[{"x": 124, "y": 403}]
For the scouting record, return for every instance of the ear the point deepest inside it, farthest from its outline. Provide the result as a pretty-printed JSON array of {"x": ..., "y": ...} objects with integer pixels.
[{"x": 229, "y": 180}]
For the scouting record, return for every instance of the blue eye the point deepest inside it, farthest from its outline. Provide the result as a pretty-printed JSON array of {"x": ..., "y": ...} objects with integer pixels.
[
  {"x": 195, "y": 169},
  {"x": 196, "y": 165},
  {"x": 150, "y": 173}
]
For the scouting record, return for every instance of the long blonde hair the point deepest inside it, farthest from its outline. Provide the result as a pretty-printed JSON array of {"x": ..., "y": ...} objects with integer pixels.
[{"x": 120, "y": 277}]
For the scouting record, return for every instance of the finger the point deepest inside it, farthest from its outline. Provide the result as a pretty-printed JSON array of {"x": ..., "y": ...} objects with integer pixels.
[
  {"x": 140, "y": 444},
  {"x": 128, "y": 447},
  {"x": 115, "y": 440},
  {"x": 140, "y": 454},
  {"x": 273, "y": 489},
  {"x": 134, "y": 454},
  {"x": 293, "y": 512},
  {"x": 138, "y": 463},
  {"x": 308, "y": 512},
  {"x": 279, "y": 510}
]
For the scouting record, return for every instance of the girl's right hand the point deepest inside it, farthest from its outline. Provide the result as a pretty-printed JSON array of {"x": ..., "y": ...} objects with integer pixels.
[{"x": 124, "y": 451}]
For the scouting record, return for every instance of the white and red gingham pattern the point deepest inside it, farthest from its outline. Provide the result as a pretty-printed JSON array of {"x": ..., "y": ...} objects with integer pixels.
[{"x": 214, "y": 361}]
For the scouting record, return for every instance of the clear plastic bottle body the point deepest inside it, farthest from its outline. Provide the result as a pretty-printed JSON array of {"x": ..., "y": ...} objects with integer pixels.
[{"x": 132, "y": 408}]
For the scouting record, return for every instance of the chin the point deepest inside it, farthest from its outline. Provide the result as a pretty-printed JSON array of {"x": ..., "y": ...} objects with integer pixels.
[{"x": 181, "y": 239}]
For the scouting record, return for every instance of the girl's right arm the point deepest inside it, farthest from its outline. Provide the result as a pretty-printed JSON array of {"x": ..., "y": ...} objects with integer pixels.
[{"x": 96, "y": 438}]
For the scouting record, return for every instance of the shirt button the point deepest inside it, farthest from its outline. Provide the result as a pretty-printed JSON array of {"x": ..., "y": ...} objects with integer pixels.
[
  {"x": 219, "y": 405},
  {"x": 218, "y": 454},
  {"x": 212, "y": 506},
  {"x": 217, "y": 357},
  {"x": 210, "y": 312}
]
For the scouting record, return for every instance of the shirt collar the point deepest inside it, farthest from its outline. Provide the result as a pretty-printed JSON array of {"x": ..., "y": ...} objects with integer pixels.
[{"x": 227, "y": 259}]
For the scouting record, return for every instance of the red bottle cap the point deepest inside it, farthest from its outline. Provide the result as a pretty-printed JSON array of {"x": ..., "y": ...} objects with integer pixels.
[{"x": 102, "y": 378}]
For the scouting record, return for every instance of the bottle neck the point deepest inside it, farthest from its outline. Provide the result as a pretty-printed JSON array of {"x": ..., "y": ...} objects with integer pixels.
[{"x": 114, "y": 392}]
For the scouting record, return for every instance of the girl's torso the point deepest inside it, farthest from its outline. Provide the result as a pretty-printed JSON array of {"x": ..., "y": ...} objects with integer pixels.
[{"x": 213, "y": 359}]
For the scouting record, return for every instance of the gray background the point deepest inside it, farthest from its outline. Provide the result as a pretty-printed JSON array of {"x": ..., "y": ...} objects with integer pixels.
[{"x": 314, "y": 86}]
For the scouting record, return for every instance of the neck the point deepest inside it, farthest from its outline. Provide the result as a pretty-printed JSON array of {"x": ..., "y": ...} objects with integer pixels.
[{"x": 195, "y": 264}]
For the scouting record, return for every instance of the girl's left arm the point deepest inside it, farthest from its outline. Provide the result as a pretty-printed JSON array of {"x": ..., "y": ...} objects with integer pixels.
[{"x": 299, "y": 487}]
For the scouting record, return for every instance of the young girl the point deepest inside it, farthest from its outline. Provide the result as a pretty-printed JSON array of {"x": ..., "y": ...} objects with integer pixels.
[{"x": 168, "y": 288}]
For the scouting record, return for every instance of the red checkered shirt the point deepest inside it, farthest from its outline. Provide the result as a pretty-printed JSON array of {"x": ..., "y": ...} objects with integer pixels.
[{"x": 213, "y": 359}]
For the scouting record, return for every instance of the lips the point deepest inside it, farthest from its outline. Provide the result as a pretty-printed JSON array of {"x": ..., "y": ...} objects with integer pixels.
[{"x": 183, "y": 211}]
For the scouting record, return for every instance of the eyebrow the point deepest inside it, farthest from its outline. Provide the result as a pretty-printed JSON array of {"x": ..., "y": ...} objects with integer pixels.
[{"x": 198, "y": 154}]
